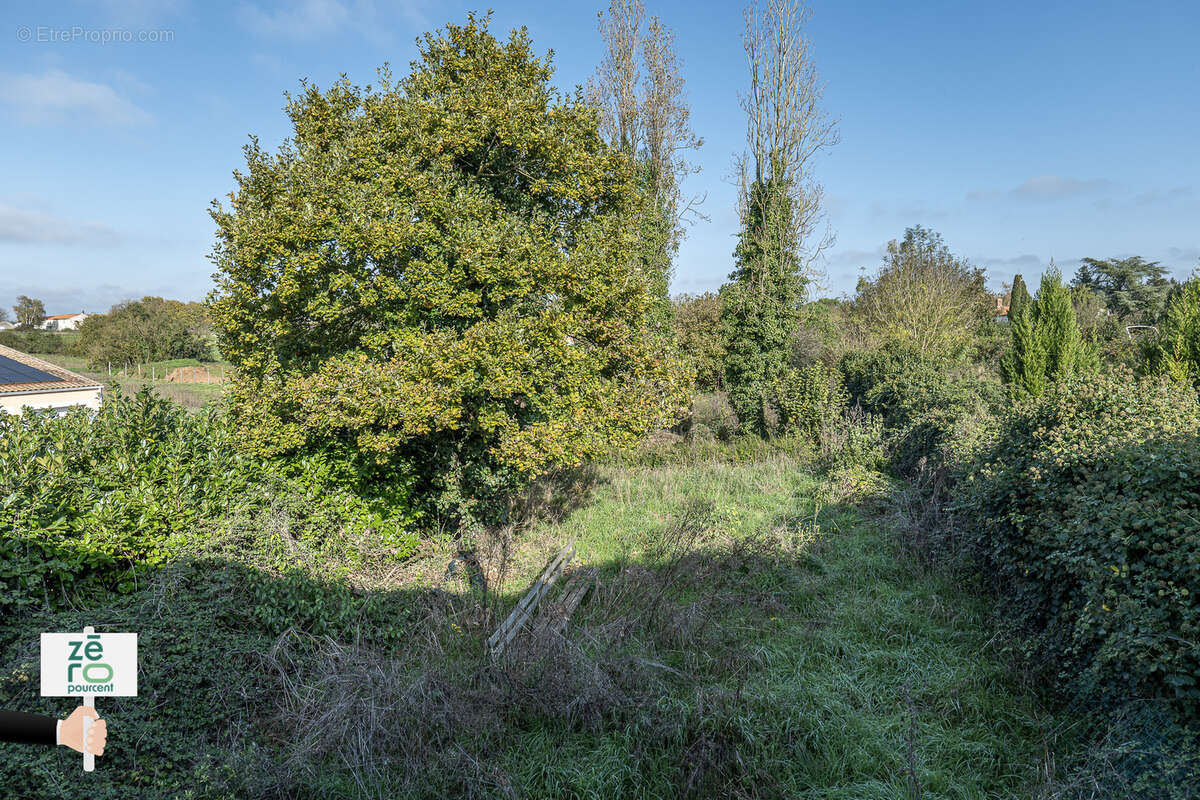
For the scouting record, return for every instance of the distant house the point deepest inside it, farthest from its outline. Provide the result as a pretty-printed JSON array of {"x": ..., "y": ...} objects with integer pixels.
[
  {"x": 28, "y": 381},
  {"x": 6, "y": 325},
  {"x": 63, "y": 322},
  {"x": 1002, "y": 301}
]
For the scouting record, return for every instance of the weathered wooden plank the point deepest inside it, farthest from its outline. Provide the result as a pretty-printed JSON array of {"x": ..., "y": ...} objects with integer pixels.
[
  {"x": 573, "y": 594},
  {"x": 524, "y": 610}
]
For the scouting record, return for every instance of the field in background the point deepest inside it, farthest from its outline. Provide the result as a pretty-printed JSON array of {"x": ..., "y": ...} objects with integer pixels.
[{"x": 154, "y": 374}]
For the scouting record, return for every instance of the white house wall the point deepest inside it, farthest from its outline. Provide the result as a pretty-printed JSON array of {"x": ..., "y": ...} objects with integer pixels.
[{"x": 13, "y": 403}]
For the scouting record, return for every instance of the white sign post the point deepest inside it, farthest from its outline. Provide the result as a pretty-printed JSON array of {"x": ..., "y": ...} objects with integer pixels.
[{"x": 89, "y": 664}]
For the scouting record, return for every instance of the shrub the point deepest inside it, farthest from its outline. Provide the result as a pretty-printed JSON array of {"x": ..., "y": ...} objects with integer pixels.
[
  {"x": 899, "y": 384},
  {"x": 1084, "y": 514},
  {"x": 91, "y": 501},
  {"x": 811, "y": 399},
  {"x": 40, "y": 342},
  {"x": 713, "y": 416},
  {"x": 1178, "y": 350},
  {"x": 922, "y": 401},
  {"x": 856, "y": 439},
  {"x": 698, "y": 328}
]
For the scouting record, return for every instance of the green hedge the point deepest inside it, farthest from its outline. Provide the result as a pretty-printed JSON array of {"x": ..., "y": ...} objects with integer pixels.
[
  {"x": 90, "y": 500},
  {"x": 1083, "y": 511},
  {"x": 924, "y": 402},
  {"x": 39, "y": 342}
]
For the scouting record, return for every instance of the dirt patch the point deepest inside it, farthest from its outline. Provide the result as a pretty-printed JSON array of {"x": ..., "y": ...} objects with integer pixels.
[{"x": 193, "y": 375}]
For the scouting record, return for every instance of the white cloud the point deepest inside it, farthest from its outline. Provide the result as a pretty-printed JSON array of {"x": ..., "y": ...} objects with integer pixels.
[
  {"x": 1044, "y": 187},
  {"x": 1057, "y": 186},
  {"x": 25, "y": 226},
  {"x": 55, "y": 96}
]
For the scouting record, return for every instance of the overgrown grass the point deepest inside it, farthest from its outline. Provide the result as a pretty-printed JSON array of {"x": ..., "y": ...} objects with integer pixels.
[
  {"x": 863, "y": 676},
  {"x": 753, "y": 632}
]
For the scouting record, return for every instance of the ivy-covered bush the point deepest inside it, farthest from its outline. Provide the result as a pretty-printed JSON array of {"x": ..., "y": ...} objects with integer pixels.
[
  {"x": 898, "y": 383},
  {"x": 811, "y": 398},
  {"x": 1083, "y": 511}
]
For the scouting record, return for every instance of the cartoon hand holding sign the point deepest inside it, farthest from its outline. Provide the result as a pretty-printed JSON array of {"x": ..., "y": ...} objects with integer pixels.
[{"x": 85, "y": 665}]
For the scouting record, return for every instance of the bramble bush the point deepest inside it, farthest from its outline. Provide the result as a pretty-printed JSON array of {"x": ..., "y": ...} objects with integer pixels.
[{"x": 1083, "y": 512}]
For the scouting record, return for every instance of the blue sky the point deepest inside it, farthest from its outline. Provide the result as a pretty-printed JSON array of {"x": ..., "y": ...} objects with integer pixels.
[{"x": 1022, "y": 131}]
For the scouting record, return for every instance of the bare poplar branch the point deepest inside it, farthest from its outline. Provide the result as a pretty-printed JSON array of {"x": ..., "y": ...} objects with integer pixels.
[{"x": 785, "y": 129}]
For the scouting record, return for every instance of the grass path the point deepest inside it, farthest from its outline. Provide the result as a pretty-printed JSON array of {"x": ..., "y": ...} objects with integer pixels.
[{"x": 871, "y": 679}]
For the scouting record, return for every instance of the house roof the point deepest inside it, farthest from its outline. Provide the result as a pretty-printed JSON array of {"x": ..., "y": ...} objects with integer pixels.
[
  {"x": 21, "y": 372},
  {"x": 63, "y": 316}
]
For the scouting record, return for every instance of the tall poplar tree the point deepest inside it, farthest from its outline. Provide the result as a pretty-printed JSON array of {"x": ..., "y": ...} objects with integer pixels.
[
  {"x": 639, "y": 91},
  {"x": 779, "y": 205}
]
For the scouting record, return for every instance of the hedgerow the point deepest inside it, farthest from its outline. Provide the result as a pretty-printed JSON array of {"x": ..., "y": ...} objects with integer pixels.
[
  {"x": 924, "y": 401},
  {"x": 92, "y": 500},
  {"x": 1083, "y": 512}
]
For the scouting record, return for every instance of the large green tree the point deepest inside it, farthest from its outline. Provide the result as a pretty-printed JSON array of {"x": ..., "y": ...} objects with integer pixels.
[
  {"x": 1132, "y": 288},
  {"x": 923, "y": 297},
  {"x": 439, "y": 277},
  {"x": 29, "y": 312},
  {"x": 150, "y": 329}
]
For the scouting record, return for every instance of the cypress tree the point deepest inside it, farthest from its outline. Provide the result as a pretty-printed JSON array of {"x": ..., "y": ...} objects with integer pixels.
[
  {"x": 1018, "y": 298},
  {"x": 1046, "y": 342},
  {"x": 1056, "y": 327},
  {"x": 1179, "y": 350},
  {"x": 1025, "y": 366}
]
